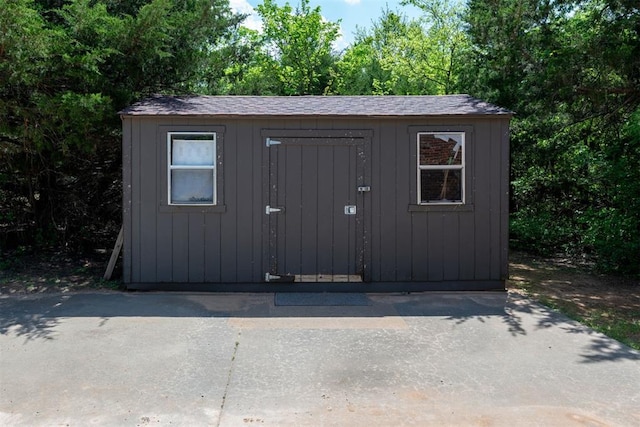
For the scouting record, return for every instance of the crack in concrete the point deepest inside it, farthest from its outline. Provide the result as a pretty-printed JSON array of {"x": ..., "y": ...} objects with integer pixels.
[{"x": 226, "y": 387}]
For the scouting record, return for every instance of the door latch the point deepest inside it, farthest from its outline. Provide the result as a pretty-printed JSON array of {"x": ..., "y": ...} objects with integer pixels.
[
  {"x": 364, "y": 189},
  {"x": 350, "y": 210},
  {"x": 269, "y": 210}
]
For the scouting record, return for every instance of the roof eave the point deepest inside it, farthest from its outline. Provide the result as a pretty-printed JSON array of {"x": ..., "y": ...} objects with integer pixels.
[{"x": 316, "y": 116}]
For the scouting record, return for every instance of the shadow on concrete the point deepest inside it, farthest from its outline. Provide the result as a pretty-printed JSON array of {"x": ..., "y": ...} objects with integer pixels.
[
  {"x": 37, "y": 318},
  {"x": 31, "y": 326},
  {"x": 601, "y": 348}
]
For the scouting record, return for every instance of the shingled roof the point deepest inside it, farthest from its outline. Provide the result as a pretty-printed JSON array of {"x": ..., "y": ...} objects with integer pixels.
[{"x": 329, "y": 106}]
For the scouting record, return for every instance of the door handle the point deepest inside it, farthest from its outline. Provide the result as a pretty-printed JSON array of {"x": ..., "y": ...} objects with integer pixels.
[{"x": 269, "y": 210}]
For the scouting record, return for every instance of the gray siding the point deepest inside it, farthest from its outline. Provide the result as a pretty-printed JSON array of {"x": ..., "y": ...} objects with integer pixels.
[{"x": 229, "y": 243}]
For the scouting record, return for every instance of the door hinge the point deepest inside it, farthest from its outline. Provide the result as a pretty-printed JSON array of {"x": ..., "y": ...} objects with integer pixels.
[
  {"x": 271, "y": 142},
  {"x": 269, "y": 210},
  {"x": 268, "y": 277}
]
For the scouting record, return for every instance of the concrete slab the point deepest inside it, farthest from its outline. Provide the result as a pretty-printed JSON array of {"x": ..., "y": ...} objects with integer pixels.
[
  {"x": 321, "y": 299},
  {"x": 231, "y": 360}
]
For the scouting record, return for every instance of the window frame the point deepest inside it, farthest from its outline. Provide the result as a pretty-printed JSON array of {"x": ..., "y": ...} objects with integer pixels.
[
  {"x": 461, "y": 167},
  {"x": 213, "y": 167}
]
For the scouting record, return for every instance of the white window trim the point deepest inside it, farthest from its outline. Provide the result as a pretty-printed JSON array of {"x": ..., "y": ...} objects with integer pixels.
[
  {"x": 171, "y": 167},
  {"x": 461, "y": 167}
]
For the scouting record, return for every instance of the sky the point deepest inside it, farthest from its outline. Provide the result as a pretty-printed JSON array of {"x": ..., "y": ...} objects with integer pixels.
[{"x": 352, "y": 13}]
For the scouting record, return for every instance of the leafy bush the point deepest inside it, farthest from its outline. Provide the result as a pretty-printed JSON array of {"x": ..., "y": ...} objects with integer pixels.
[
  {"x": 614, "y": 238},
  {"x": 542, "y": 232}
]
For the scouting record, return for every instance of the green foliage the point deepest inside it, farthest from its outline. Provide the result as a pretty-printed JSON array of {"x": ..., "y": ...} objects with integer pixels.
[
  {"x": 612, "y": 226},
  {"x": 406, "y": 57},
  {"x": 238, "y": 67},
  {"x": 23, "y": 44},
  {"x": 292, "y": 56},
  {"x": 250, "y": 69},
  {"x": 66, "y": 68},
  {"x": 300, "y": 43},
  {"x": 571, "y": 71},
  {"x": 444, "y": 45},
  {"x": 542, "y": 232},
  {"x": 613, "y": 235},
  {"x": 578, "y": 192}
]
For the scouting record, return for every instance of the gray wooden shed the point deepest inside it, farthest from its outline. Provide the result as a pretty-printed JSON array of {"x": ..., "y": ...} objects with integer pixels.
[{"x": 315, "y": 193}]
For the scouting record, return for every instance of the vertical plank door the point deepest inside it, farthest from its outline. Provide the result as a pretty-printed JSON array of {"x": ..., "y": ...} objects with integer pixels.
[{"x": 316, "y": 226}]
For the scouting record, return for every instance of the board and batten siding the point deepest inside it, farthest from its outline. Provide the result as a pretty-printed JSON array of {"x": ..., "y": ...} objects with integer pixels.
[{"x": 403, "y": 242}]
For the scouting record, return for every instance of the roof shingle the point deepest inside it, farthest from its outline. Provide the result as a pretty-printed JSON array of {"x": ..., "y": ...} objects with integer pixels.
[{"x": 365, "y": 106}]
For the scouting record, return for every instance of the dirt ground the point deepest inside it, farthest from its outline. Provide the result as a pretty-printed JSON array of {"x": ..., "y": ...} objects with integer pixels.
[
  {"x": 558, "y": 279},
  {"x": 609, "y": 304},
  {"x": 29, "y": 273}
]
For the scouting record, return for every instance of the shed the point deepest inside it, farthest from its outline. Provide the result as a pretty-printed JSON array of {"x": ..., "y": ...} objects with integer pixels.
[{"x": 315, "y": 193}]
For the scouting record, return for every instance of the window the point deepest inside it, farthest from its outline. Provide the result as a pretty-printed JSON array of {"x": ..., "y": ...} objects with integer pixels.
[
  {"x": 192, "y": 168},
  {"x": 441, "y": 168}
]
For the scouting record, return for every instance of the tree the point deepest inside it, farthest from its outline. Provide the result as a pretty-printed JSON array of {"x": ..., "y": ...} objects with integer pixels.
[
  {"x": 250, "y": 69},
  {"x": 292, "y": 56},
  {"x": 571, "y": 72},
  {"x": 446, "y": 45},
  {"x": 66, "y": 69},
  {"x": 366, "y": 66},
  {"x": 406, "y": 57}
]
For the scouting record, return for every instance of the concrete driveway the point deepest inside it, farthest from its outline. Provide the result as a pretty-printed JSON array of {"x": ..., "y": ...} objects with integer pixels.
[{"x": 294, "y": 360}]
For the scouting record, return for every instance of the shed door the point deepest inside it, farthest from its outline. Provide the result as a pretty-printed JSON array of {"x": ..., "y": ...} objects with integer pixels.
[{"x": 315, "y": 210}]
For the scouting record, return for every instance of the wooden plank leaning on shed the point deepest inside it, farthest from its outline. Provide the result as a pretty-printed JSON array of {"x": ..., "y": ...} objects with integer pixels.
[{"x": 114, "y": 255}]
